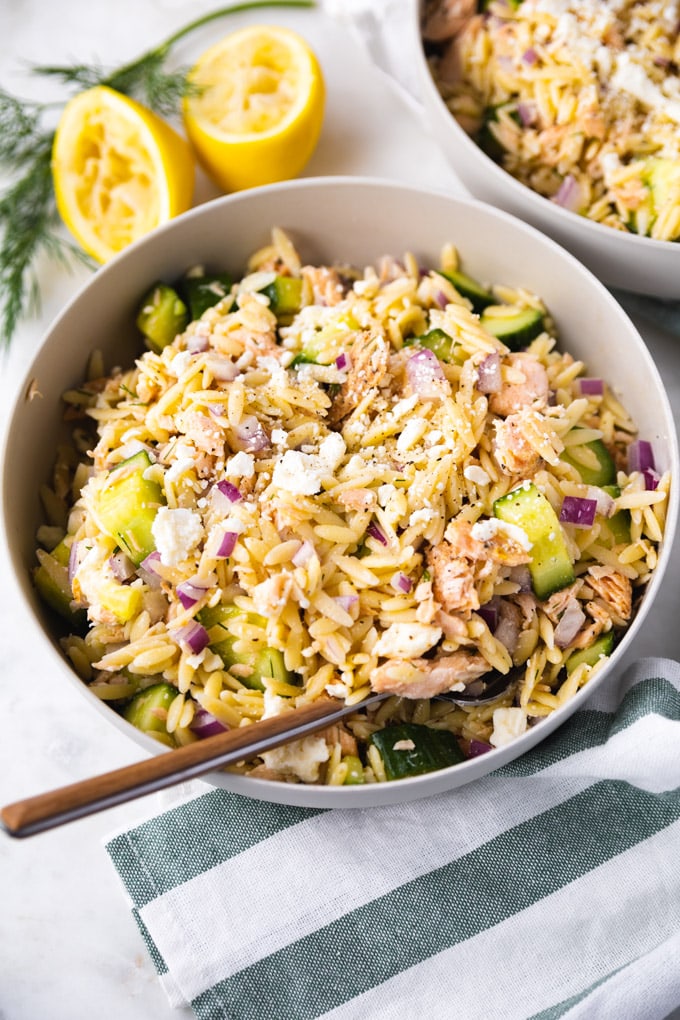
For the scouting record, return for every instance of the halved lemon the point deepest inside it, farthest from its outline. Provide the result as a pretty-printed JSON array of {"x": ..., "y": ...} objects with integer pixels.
[
  {"x": 256, "y": 111},
  {"x": 118, "y": 171}
]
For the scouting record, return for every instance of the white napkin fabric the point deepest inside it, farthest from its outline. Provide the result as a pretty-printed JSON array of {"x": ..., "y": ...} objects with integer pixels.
[{"x": 549, "y": 888}]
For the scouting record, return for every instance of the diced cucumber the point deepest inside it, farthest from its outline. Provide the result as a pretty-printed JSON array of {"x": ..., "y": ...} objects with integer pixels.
[
  {"x": 126, "y": 508},
  {"x": 469, "y": 288},
  {"x": 203, "y": 292},
  {"x": 516, "y": 327},
  {"x": 54, "y": 587},
  {"x": 604, "y": 645},
  {"x": 355, "y": 770},
  {"x": 603, "y": 474},
  {"x": 120, "y": 599},
  {"x": 263, "y": 661},
  {"x": 436, "y": 340},
  {"x": 618, "y": 523},
  {"x": 162, "y": 315},
  {"x": 285, "y": 295},
  {"x": 662, "y": 177},
  {"x": 148, "y": 710},
  {"x": 62, "y": 552},
  {"x": 550, "y": 565},
  {"x": 432, "y": 749}
]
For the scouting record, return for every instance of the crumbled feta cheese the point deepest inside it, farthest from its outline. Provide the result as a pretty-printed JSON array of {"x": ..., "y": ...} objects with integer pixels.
[
  {"x": 407, "y": 640},
  {"x": 477, "y": 475},
  {"x": 299, "y": 473},
  {"x": 300, "y": 758},
  {"x": 508, "y": 724},
  {"x": 422, "y": 516},
  {"x": 386, "y": 492},
  {"x": 331, "y": 451},
  {"x": 270, "y": 596},
  {"x": 179, "y": 468},
  {"x": 486, "y": 530},
  {"x": 274, "y": 704},
  {"x": 241, "y": 465},
  {"x": 176, "y": 534},
  {"x": 404, "y": 745},
  {"x": 279, "y": 437},
  {"x": 180, "y": 363},
  {"x": 337, "y": 690}
]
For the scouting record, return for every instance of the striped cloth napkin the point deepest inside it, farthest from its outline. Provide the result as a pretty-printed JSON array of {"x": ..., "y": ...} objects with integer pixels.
[{"x": 550, "y": 888}]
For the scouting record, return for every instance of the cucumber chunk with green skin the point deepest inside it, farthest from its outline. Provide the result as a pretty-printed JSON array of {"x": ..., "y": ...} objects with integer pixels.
[
  {"x": 436, "y": 340},
  {"x": 469, "y": 288},
  {"x": 162, "y": 315},
  {"x": 604, "y": 645},
  {"x": 431, "y": 750},
  {"x": 204, "y": 292},
  {"x": 515, "y": 329},
  {"x": 618, "y": 523},
  {"x": 602, "y": 475},
  {"x": 285, "y": 295},
  {"x": 54, "y": 588},
  {"x": 355, "y": 771},
  {"x": 148, "y": 710},
  {"x": 127, "y": 506},
  {"x": 263, "y": 661},
  {"x": 550, "y": 566}
]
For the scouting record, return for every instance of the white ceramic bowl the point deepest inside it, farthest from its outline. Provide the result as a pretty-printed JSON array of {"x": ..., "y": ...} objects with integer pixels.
[
  {"x": 330, "y": 219},
  {"x": 627, "y": 261}
]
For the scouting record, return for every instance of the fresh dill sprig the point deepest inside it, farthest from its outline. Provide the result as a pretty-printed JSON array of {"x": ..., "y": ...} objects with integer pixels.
[{"x": 29, "y": 221}]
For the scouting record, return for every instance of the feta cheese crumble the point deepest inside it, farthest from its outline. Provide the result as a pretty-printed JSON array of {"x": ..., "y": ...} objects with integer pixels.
[{"x": 176, "y": 534}]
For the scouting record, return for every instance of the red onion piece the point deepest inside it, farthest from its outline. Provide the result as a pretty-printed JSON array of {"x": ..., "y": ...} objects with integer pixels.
[
  {"x": 375, "y": 532},
  {"x": 197, "y": 343},
  {"x": 148, "y": 571},
  {"x": 227, "y": 545},
  {"x": 189, "y": 594},
  {"x": 527, "y": 113},
  {"x": 640, "y": 456},
  {"x": 441, "y": 299},
  {"x": 401, "y": 582},
  {"x": 605, "y": 503},
  {"x": 571, "y": 621},
  {"x": 121, "y": 565},
  {"x": 578, "y": 511},
  {"x": 530, "y": 56},
  {"x": 568, "y": 195},
  {"x": 346, "y": 601},
  {"x": 217, "y": 410},
  {"x": 489, "y": 374},
  {"x": 192, "y": 636},
  {"x": 521, "y": 576},
  {"x": 651, "y": 479},
  {"x": 251, "y": 436},
  {"x": 303, "y": 554},
  {"x": 206, "y": 725},
  {"x": 230, "y": 491},
  {"x": 591, "y": 387},
  {"x": 343, "y": 362},
  {"x": 489, "y": 613},
  {"x": 477, "y": 747},
  {"x": 424, "y": 374}
]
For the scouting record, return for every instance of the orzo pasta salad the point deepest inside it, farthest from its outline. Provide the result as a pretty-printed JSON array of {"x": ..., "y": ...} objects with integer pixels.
[
  {"x": 326, "y": 481},
  {"x": 578, "y": 99}
]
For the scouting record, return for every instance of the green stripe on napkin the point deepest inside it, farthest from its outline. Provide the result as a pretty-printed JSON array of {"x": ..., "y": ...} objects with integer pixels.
[{"x": 530, "y": 893}]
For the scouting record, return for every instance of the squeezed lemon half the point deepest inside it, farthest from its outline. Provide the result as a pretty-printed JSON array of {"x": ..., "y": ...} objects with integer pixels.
[
  {"x": 257, "y": 107},
  {"x": 118, "y": 171}
]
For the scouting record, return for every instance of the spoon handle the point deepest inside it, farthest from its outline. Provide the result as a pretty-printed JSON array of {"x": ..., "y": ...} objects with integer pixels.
[{"x": 67, "y": 803}]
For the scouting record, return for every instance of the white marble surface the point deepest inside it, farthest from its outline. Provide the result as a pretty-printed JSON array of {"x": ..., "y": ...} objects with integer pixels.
[{"x": 69, "y": 948}]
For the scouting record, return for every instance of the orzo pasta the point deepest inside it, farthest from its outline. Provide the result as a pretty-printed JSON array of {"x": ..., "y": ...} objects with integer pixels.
[{"x": 336, "y": 481}]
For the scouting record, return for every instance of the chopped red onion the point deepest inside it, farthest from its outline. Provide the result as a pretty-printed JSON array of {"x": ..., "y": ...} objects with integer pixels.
[
  {"x": 223, "y": 369},
  {"x": 530, "y": 56},
  {"x": 197, "y": 343},
  {"x": 477, "y": 747},
  {"x": 375, "y": 532},
  {"x": 489, "y": 613},
  {"x": 148, "y": 571},
  {"x": 441, "y": 299},
  {"x": 206, "y": 725},
  {"x": 527, "y": 113},
  {"x": 190, "y": 593},
  {"x": 227, "y": 545},
  {"x": 521, "y": 576},
  {"x": 193, "y": 636},
  {"x": 578, "y": 511},
  {"x": 217, "y": 410},
  {"x": 424, "y": 374},
  {"x": 401, "y": 582},
  {"x": 591, "y": 387},
  {"x": 121, "y": 565},
  {"x": 489, "y": 374},
  {"x": 507, "y": 631},
  {"x": 230, "y": 491},
  {"x": 640, "y": 456},
  {"x": 568, "y": 195},
  {"x": 303, "y": 554},
  {"x": 346, "y": 601},
  {"x": 343, "y": 362},
  {"x": 651, "y": 479},
  {"x": 571, "y": 621},
  {"x": 251, "y": 436}
]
